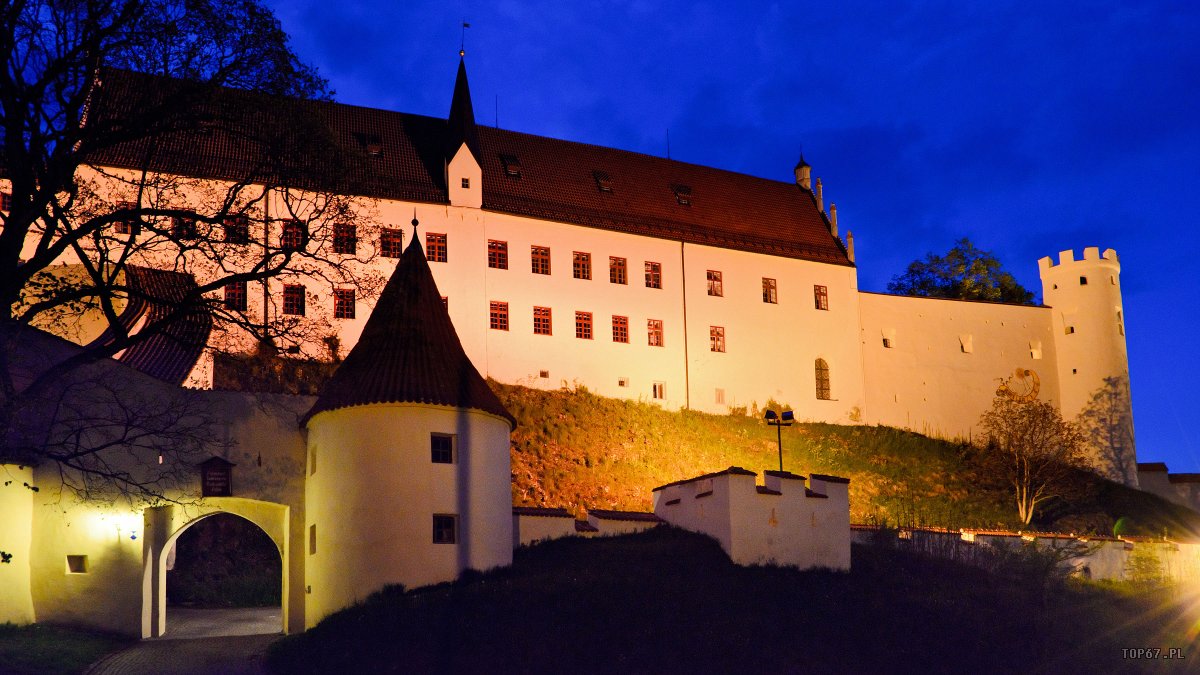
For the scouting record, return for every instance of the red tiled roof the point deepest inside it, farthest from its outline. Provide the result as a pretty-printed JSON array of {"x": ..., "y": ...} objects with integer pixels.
[
  {"x": 641, "y": 516},
  {"x": 557, "y": 182},
  {"x": 542, "y": 512},
  {"x": 409, "y": 351},
  {"x": 170, "y": 354},
  {"x": 733, "y": 470}
]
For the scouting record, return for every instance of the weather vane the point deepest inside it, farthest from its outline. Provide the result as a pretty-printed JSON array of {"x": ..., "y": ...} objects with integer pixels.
[{"x": 462, "y": 45}]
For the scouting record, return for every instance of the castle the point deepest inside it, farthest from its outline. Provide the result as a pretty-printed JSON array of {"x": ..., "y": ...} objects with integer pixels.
[{"x": 555, "y": 263}]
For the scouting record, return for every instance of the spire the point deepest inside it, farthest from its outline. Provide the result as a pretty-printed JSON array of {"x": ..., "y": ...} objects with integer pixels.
[
  {"x": 461, "y": 124},
  {"x": 409, "y": 351}
]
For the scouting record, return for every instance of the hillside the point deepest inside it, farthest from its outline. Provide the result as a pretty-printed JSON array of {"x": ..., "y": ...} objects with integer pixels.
[
  {"x": 669, "y": 601},
  {"x": 576, "y": 450}
]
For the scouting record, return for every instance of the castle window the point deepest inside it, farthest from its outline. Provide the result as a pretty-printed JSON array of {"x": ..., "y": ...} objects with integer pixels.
[
  {"x": 821, "y": 297},
  {"x": 235, "y": 296},
  {"x": 498, "y": 316},
  {"x": 466, "y": 183},
  {"x": 622, "y": 381},
  {"x": 770, "y": 293},
  {"x": 343, "y": 303},
  {"x": 720, "y": 397},
  {"x": 603, "y": 181},
  {"x": 715, "y": 285},
  {"x": 184, "y": 229},
  {"x": 620, "y": 329},
  {"x": 617, "y": 271},
  {"x": 544, "y": 374},
  {"x": 716, "y": 338},
  {"x": 654, "y": 332},
  {"x": 237, "y": 229},
  {"x": 391, "y": 242},
  {"x": 435, "y": 247},
  {"x": 822, "y": 376},
  {"x": 542, "y": 321},
  {"x": 653, "y": 274},
  {"x": 345, "y": 238},
  {"x": 1120, "y": 323},
  {"x": 294, "y": 235},
  {"x": 683, "y": 194},
  {"x": 6, "y": 202},
  {"x": 445, "y": 528},
  {"x": 77, "y": 564},
  {"x": 583, "y": 325},
  {"x": 293, "y": 299},
  {"x": 497, "y": 254},
  {"x": 312, "y": 539},
  {"x": 512, "y": 166},
  {"x": 131, "y": 225},
  {"x": 441, "y": 448},
  {"x": 581, "y": 265},
  {"x": 1068, "y": 330},
  {"x": 887, "y": 343},
  {"x": 1083, "y": 281},
  {"x": 658, "y": 390},
  {"x": 539, "y": 259}
]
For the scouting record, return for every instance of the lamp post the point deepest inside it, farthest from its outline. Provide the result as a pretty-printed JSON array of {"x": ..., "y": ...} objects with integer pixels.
[{"x": 780, "y": 422}]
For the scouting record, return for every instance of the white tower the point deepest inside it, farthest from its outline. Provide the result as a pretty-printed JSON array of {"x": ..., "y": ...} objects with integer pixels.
[{"x": 1088, "y": 328}]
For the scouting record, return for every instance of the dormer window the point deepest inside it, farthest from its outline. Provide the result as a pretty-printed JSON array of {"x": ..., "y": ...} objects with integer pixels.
[
  {"x": 371, "y": 144},
  {"x": 603, "y": 181},
  {"x": 512, "y": 165},
  {"x": 683, "y": 194}
]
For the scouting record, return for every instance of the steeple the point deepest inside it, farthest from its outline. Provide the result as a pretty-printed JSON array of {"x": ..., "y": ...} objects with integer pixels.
[
  {"x": 409, "y": 351},
  {"x": 461, "y": 123}
]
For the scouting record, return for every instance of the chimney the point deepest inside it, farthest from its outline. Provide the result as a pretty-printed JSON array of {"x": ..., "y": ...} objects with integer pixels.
[
  {"x": 850, "y": 246},
  {"x": 820, "y": 196},
  {"x": 833, "y": 219}
]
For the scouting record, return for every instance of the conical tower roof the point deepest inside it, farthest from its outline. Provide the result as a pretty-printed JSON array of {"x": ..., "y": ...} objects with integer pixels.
[
  {"x": 409, "y": 352},
  {"x": 461, "y": 123}
]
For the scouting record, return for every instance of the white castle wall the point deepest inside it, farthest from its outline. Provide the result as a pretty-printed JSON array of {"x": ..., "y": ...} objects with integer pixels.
[
  {"x": 16, "y": 538},
  {"x": 946, "y": 358}
]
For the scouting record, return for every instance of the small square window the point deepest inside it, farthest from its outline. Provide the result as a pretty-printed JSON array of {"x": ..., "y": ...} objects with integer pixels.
[
  {"x": 77, "y": 564},
  {"x": 445, "y": 528},
  {"x": 435, "y": 247},
  {"x": 237, "y": 229},
  {"x": 620, "y": 329},
  {"x": 1083, "y": 281},
  {"x": 343, "y": 303},
  {"x": 715, "y": 284},
  {"x": 466, "y": 183},
  {"x": 770, "y": 293},
  {"x": 654, "y": 332},
  {"x": 544, "y": 374},
  {"x": 497, "y": 254},
  {"x": 622, "y": 381},
  {"x": 391, "y": 242},
  {"x": 653, "y": 274},
  {"x": 498, "y": 316},
  {"x": 617, "y": 271},
  {"x": 542, "y": 324},
  {"x": 658, "y": 390},
  {"x": 716, "y": 338},
  {"x": 235, "y": 296},
  {"x": 441, "y": 448},
  {"x": 1068, "y": 330},
  {"x": 345, "y": 238},
  {"x": 887, "y": 343},
  {"x": 583, "y": 325},
  {"x": 821, "y": 297},
  {"x": 539, "y": 259},
  {"x": 293, "y": 299},
  {"x": 294, "y": 236},
  {"x": 581, "y": 265}
]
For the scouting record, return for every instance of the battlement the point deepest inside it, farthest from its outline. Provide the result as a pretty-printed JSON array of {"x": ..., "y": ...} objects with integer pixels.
[{"x": 1091, "y": 254}]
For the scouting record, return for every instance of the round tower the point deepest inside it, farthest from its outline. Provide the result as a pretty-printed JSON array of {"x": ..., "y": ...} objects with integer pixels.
[
  {"x": 1088, "y": 324},
  {"x": 408, "y": 476}
]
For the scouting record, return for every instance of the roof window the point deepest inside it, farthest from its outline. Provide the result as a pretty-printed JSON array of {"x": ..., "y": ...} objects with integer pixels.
[
  {"x": 603, "y": 181},
  {"x": 371, "y": 144},
  {"x": 683, "y": 194},
  {"x": 512, "y": 165}
]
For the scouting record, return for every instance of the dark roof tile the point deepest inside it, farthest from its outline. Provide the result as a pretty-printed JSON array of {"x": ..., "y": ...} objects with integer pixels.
[{"x": 641, "y": 516}]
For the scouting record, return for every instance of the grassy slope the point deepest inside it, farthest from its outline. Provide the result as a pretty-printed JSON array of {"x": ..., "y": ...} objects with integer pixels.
[
  {"x": 576, "y": 450},
  {"x": 46, "y": 650},
  {"x": 670, "y": 601}
]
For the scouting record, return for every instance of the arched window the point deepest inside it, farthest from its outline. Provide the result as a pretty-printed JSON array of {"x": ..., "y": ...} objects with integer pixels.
[{"x": 822, "y": 369}]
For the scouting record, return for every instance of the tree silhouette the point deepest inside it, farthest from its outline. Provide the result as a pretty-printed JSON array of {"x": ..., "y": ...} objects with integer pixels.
[
  {"x": 1107, "y": 424},
  {"x": 964, "y": 273}
]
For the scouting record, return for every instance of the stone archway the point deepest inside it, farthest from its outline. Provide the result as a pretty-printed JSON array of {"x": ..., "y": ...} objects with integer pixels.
[{"x": 164, "y": 524}]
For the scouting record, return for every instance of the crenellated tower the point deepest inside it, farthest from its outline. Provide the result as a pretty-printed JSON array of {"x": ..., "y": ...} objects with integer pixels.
[{"x": 1088, "y": 324}]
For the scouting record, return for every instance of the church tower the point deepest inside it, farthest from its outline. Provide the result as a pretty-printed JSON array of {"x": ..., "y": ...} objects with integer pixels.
[
  {"x": 1088, "y": 324},
  {"x": 408, "y": 475}
]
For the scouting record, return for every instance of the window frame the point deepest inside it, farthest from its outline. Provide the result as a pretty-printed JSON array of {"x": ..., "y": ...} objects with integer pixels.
[
  {"x": 824, "y": 384},
  {"x": 439, "y": 455},
  {"x": 293, "y": 235},
  {"x": 653, "y": 274},
  {"x": 497, "y": 315},
  {"x": 391, "y": 242},
  {"x": 543, "y": 320},
  {"x": 620, "y": 329},
  {"x": 294, "y": 299},
  {"x": 497, "y": 254},
  {"x": 770, "y": 291},
  {"x": 618, "y": 270},
  {"x": 343, "y": 303},
  {"x": 821, "y": 297},
  {"x": 581, "y": 265},
  {"x": 654, "y": 333},
  {"x": 539, "y": 259},
  {"x": 716, "y": 283},
  {"x": 446, "y": 520},
  {"x": 716, "y": 339},
  {"x": 583, "y": 325},
  {"x": 236, "y": 229},
  {"x": 345, "y": 238},
  {"x": 437, "y": 248},
  {"x": 236, "y": 296}
]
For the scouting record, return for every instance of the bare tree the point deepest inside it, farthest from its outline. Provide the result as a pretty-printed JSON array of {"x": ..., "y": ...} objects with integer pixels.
[
  {"x": 1036, "y": 451},
  {"x": 1107, "y": 424},
  {"x": 103, "y": 104}
]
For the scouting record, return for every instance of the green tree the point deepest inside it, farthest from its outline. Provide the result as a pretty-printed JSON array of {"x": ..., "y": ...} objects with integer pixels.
[
  {"x": 964, "y": 273},
  {"x": 1033, "y": 448}
]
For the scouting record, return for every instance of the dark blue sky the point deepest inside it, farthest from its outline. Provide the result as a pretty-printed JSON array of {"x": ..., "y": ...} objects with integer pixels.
[{"x": 1028, "y": 127}]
